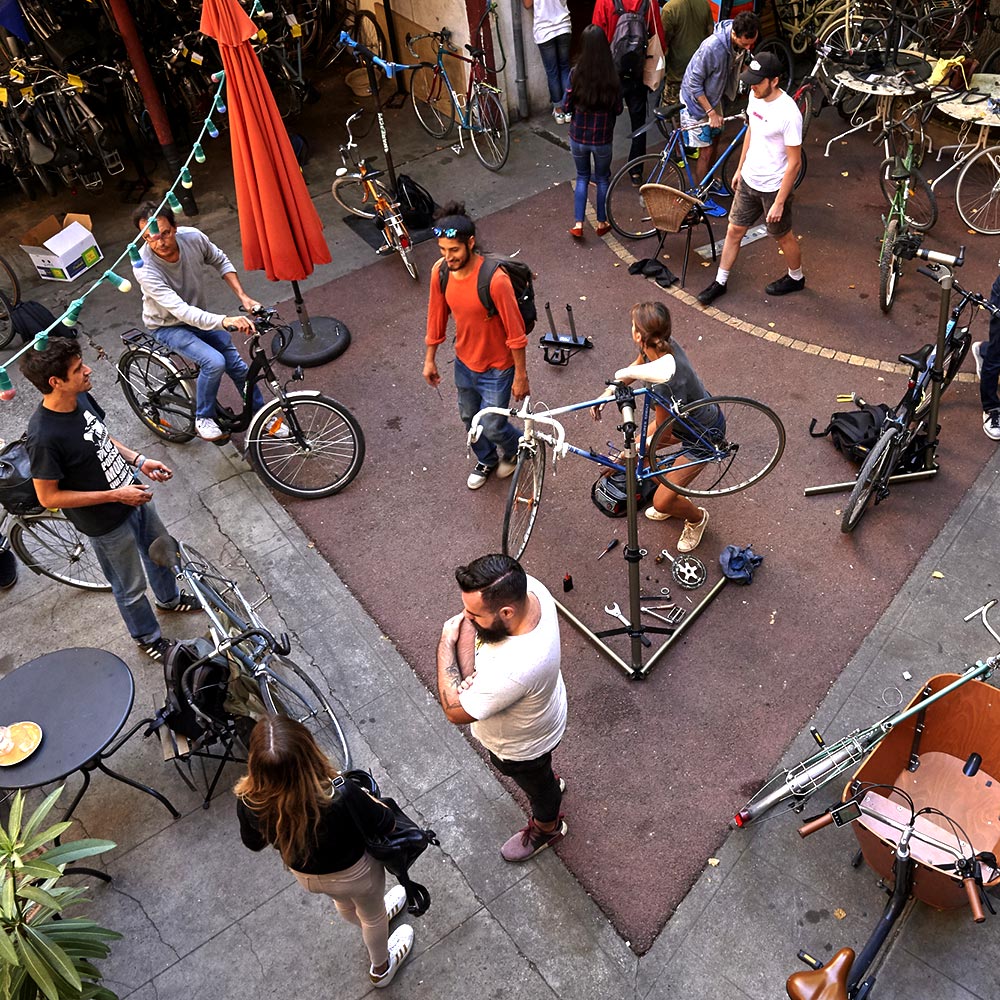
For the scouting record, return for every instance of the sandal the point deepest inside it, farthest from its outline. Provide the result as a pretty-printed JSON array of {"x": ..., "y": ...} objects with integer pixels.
[{"x": 577, "y": 231}]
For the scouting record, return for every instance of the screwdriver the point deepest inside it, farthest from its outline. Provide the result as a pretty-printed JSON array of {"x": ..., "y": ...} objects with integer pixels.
[{"x": 610, "y": 546}]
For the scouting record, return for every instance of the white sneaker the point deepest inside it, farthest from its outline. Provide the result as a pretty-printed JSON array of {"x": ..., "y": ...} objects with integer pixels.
[
  {"x": 395, "y": 900},
  {"x": 691, "y": 535},
  {"x": 656, "y": 515},
  {"x": 478, "y": 476},
  {"x": 208, "y": 430},
  {"x": 278, "y": 428},
  {"x": 505, "y": 468},
  {"x": 977, "y": 356},
  {"x": 991, "y": 424},
  {"x": 400, "y": 946}
]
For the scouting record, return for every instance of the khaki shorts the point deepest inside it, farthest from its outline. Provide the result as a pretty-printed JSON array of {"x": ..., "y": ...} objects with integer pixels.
[{"x": 749, "y": 205}]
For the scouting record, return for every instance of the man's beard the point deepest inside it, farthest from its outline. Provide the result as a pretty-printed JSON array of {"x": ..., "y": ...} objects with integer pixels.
[{"x": 495, "y": 633}]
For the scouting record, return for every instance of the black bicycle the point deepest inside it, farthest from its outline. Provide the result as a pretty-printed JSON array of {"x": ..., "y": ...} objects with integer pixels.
[{"x": 303, "y": 443}]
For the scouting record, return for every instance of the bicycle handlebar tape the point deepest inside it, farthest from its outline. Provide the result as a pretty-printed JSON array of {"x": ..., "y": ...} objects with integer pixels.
[
  {"x": 975, "y": 901},
  {"x": 815, "y": 824}
]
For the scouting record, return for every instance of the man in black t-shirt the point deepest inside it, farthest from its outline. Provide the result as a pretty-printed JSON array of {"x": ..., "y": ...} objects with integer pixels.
[{"x": 77, "y": 466}]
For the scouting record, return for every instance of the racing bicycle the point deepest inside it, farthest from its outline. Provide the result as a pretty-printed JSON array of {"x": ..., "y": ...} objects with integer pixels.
[{"x": 303, "y": 443}]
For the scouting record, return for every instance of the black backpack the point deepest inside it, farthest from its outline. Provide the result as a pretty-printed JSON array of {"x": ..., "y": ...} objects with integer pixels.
[
  {"x": 520, "y": 277},
  {"x": 415, "y": 203},
  {"x": 28, "y": 318},
  {"x": 207, "y": 682},
  {"x": 628, "y": 43},
  {"x": 853, "y": 432},
  {"x": 610, "y": 498},
  {"x": 17, "y": 491}
]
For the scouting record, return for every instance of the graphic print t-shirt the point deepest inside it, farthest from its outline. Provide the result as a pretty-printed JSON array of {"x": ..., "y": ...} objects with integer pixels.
[{"x": 76, "y": 450}]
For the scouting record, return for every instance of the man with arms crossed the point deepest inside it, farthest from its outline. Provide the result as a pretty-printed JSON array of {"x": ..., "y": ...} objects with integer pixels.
[
  {"x": 765, "y": 177},
  {"x": 498, "y": 668}
]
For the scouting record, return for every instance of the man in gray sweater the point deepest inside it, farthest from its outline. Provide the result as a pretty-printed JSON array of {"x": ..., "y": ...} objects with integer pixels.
[{"x": 172, "y": 279}]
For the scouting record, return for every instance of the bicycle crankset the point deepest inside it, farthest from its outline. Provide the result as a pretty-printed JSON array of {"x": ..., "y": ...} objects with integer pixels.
[{"x": 688, "y": 571}]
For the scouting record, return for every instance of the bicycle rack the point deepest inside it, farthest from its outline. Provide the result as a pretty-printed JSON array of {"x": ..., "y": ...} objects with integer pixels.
[{"x": 558, "y": 347}]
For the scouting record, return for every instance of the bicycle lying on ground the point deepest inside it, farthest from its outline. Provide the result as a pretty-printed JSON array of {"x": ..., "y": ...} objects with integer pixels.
[
  {"x": 261, "y": 678},
  {"x": 303, "y": 443},
  {"x": 729, "y": 442},
  {"x": 480, "y": 110},
  {"x": 627, "y": 211},
  {"x": 358, "y": 190}
]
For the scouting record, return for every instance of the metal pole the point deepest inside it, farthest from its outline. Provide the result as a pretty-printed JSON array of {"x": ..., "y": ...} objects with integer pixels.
[
  {"x": 937, "y": 372},
  {"x": 689, "y": 620},
  {"x": 520, "y": 70},
  {"x": 902, "y": 477}
]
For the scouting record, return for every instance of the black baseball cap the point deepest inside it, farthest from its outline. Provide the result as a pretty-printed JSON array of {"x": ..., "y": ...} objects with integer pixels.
[{"x": 764, "y": 66}]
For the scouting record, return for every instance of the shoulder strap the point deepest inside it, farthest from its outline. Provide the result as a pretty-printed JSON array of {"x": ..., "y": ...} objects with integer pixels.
[
  {"x": 619, "y": 8},
  {"x": 442, "y": 275},
  {"x": 486, "y": 272}
]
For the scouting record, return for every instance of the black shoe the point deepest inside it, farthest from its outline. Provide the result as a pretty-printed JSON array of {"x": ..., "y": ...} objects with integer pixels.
[
  {"x": 8, "y": 569},
  {"x": 785, "y": 284},
  {"x": 635, "y": 176},
  {"x": 185, "y": 602},
  {"x": 157, "y": 649},
  {"x": 710, "y": 294}
]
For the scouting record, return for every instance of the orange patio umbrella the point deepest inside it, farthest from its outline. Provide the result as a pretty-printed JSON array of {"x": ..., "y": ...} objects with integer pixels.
[{"x": 281, "y": 231}]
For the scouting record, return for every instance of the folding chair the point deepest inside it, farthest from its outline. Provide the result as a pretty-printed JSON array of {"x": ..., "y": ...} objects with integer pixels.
[{"x": 670, "y": 211}]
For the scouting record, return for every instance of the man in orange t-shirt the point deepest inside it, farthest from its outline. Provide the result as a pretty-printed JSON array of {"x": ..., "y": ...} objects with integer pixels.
[{"x": 489, "y": 350}]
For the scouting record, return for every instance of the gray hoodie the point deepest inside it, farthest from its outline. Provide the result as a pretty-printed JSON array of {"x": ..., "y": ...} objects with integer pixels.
[{"x": 710, "y": 70}]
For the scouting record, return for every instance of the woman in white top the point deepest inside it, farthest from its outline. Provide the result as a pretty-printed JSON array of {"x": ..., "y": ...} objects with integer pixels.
[{"x": 552, "y": 33}]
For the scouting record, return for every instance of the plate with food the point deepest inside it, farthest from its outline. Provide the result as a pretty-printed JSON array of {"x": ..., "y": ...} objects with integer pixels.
[{"x": 18, "y": 742}]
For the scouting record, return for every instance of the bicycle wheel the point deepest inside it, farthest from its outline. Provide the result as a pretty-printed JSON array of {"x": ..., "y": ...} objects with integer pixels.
[
  {"x": 783, "y": 53},
  {"x": 803, "y": 98},
  {"x": 366, "y": 30},
  {"x": 6, "y": 326},
  {"x": 872, "y": 478},
  {"x": 432, "y": 101},
  {"x": 733, "y": 442},
  {"x": 524, "y": 499},
  {"x": 352, "y": 195},
  {"x": 977, "y": 194},
  {"x": 955, "y": 352},
  {"x": 921, "y": 208},
  {"x": 627, "y": 212},
  {"x": 902, "y": 109},
  {"x": 288, "y": 690},
  {"x": 157, "y": 395},
  {"x": 991, "y": 64},
  {"x": 10, "y": 287},
  {"x": 489, "y": 132},
  {"x": 329, "y": 456},
  {"x": 889, "y": 266},
  {"x": 50, "y": 545}
]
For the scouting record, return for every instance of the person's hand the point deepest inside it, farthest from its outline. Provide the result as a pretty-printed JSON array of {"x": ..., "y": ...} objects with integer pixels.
[
  {"x": 596, "y": 411},
  {"x": 134, "y": 495},
  {"x": 251, "y": 305},
  {"x": 520, "y": 388},
  {"x": 156, "y": 470},
  {"x": 241, "y": 323},
  {"x": 451, "y": 629},
  {"x": 467, "y": 683},
  {"x": 775, "y": 212},
  {"x": 431, "y": 375},
  {"x": 714, "y": 119}
]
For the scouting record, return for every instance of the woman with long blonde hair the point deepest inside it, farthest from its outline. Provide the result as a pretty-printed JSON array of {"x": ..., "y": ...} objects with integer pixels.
[{"x": 287, "y": 799}]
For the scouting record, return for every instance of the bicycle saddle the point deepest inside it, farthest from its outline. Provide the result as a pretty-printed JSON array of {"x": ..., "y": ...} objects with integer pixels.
[
  {"x": 828, "y": 983},
  {"x": 917, "y": 358},
  {"x": 667, "y": 112}
]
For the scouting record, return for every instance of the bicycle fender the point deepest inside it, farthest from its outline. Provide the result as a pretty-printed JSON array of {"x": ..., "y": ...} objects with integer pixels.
[{"x": 296, "y": 394}]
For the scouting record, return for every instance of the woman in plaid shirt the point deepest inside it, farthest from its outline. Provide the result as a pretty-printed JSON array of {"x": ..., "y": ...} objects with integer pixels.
[{"x": 594, "y": 99}]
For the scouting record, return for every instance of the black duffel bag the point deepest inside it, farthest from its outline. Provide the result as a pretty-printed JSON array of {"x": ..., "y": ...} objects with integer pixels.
[{"x": 17, "y": 491}]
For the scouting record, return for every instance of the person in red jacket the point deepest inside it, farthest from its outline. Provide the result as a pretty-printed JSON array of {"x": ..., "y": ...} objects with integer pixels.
[{"x": 635, "y": 92}]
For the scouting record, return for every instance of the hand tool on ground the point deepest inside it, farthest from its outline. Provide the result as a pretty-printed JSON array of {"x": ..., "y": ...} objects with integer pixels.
[
  {"x": 688, "y": 571},
  {"x": 616, "y": 612},
  {"x": 675, "y": 615},
  {"x": 608, "y": 548}
]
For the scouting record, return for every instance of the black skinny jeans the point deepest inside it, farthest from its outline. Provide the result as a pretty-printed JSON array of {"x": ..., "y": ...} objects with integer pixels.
[
  {"x": 636, "y": 97},
  {"x": 990, "y": 375},
  {"x": 536, "y": 779}
]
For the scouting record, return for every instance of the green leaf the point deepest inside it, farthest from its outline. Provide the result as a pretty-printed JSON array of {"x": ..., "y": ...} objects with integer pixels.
[
  {"x": 49, "y": 833},
  {"x": 7, "y": 906},
  {"x": 38, "y": 869},
  {"x": 75, "y": 850},
  {"x": 35, "y": 965},
  {"x": 14, "y": 820},
  {"x": 40, "y": 896},
  {"x": 39, "y": 815},
  {"x": 54, "y": 956},
  {"x": 8, "y": 953}
]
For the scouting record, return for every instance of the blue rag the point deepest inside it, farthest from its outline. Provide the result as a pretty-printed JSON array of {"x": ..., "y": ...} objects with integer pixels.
[{"x": 738, "y": 563}]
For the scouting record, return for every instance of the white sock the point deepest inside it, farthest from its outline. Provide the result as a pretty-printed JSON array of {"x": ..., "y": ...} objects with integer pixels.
[
  {"x": 722, "y": 277},
  {"x": 796, "y": 274}
]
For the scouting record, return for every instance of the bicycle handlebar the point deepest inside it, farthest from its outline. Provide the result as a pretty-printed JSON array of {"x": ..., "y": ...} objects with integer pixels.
[
  {"x": 389, "y": 68},
  {"x": 936, "y": 257},
  {"x": 975, "y": 902},
  {"x": 442, "y": 37},
  {"x": 815, "y": 824},
  {"x": 282, "y": 646},
  {"x": 559, "y": 446}
]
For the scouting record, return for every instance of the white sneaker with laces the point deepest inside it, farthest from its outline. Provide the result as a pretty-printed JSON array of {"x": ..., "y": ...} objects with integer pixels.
[
  {"x": 395, "y": 900},
  {"x": 400, "y": 946},
  {"x": 208, "y": 430},
  {"x": 991, "y": 424},
  {"x": 977, "y": 356},
  {"x": 691, "y": 535},
  {"x": 278, "y": 428},
  {"x": 478, "y": 476}
]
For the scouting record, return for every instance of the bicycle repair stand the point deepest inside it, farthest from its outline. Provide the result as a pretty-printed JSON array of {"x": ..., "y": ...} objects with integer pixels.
[
  {"x": 557, "y": 346},
  {"x": 931, "y": 468},
  {"x": 637, "y": 631}
]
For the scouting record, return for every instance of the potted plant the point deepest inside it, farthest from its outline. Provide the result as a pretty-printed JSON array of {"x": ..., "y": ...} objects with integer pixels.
[{"x": 42, "y": 952}]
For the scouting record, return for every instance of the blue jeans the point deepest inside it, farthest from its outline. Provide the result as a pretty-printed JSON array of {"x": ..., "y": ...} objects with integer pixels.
[
  {"x": 602, "y": 174},
  {"x": 122, "y": 553},
  {"x": 555, "y": 59},
  {"x": 214, "y": 353},
  {"x": 477, "y": 390},
  {"x": 990, "y": 374}
]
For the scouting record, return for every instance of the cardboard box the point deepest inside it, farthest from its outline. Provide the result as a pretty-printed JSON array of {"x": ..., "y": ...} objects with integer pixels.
[{"x": 62, "y": 251}]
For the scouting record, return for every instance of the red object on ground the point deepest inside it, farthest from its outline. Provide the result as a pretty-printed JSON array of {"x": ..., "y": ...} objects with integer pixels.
[{"x": 281, "y": 230}]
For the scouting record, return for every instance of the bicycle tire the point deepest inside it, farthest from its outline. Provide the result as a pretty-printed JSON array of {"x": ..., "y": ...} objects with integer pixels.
[
  {"x": 991, "y": 64},
  {"x": 921, "y": 208},
  {"x": 432, "y": 101},
  {"x": 50, "y": 545},
  {"x": 903, "y": 109},
  {"x": 352, "y": 195},
  {"x": 740, "y": 453},
  {"x": 627, "y": 212},
  {"x": 332, "y": 456},
  {"x": 157, "y": 394},
  {"x": 7, "y": 331},
  {"x": 287, "y": 93},
  {"x": 874, "y": 474},
  {"x": 284, "y": 686},
  {"x": 365, "y": 29},
  {"x": 45, "y": 179},
  {"x": 398, "y": 236},
  {"x": 11, "y": 287},
  {"x": 524, "y": 499},
  {"x": 490, "y": 133},
  {"x": 955, "y": 351},
  {"x": 782, "y": 50},
  {"x": 803, "y": 98},
  {"x": 977, "y": 193},
  {"x": 889, "y": 267}
]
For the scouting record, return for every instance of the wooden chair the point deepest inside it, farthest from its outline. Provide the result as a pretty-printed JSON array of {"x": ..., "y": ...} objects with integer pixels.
[{"x": 670, "y": 211}]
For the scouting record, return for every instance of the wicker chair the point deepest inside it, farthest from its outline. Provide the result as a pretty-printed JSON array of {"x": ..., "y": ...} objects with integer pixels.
[{"x": 671, "y": 211}]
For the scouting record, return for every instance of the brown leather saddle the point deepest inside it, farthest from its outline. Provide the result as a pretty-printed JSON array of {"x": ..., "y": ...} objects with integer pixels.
[{"x": 828, "y": 983}]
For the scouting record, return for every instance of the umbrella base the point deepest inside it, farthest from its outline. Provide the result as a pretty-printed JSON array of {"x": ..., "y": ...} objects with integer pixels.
[{"x": 330, "y": 338}]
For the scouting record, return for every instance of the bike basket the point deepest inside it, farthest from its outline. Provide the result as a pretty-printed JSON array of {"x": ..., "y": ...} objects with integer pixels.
[{"x": 17, "y": 491}]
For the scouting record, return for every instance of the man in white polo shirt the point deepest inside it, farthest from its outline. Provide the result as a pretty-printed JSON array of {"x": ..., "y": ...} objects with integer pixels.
[{"x": 498, "y": 669}]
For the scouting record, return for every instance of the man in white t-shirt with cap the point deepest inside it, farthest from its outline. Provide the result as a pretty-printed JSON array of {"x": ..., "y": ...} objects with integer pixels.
[
  {"x": 769, "y": 163},
  {"x": 498, "y": 669}
]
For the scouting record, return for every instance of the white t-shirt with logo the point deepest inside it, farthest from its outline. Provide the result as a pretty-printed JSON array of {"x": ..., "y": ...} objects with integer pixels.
[
  {"x": 517, "y": 696},
  {"x": 551, "y": 19},
  {"x": 773, "y": 126}
]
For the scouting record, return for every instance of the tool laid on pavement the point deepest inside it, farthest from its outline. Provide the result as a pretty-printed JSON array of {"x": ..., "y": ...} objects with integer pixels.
[
  {"x": 673, "y": 617},
  {"x": 567, "y": 583},
  {"x": 612, "y": 544},
  {"x": 616, "y": 612},
  {"x": 664, "y": 592},
  {"x": 688, "y": 571},
  {"x": 558, "y": 347}
]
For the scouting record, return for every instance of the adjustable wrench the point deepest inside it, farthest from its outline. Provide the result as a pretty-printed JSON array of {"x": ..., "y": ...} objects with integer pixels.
[{"x": 616, "y": 612}]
